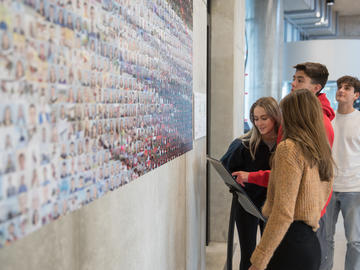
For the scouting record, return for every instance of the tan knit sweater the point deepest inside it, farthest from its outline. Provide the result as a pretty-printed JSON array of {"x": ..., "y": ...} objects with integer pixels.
[{"x": 295, "y": 192}]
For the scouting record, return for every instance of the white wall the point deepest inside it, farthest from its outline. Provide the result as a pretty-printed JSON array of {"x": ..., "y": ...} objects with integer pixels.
[
  {"x": 341, "y": 56},
  {"x": 155, "y": 222}
]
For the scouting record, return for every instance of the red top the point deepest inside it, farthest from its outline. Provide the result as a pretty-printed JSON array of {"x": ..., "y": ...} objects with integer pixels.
[{"x": 261, "y": 178}]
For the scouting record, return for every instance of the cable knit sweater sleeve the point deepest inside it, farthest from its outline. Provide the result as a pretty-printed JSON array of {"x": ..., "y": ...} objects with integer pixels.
[{"x": 282, "y": 195}]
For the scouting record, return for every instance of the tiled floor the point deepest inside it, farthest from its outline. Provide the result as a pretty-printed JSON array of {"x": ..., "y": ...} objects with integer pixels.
[{"x": 216, "y": 251}]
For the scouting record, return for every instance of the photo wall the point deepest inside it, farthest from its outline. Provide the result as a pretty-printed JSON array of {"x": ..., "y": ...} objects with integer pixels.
[{"x": 93, "y": 94}]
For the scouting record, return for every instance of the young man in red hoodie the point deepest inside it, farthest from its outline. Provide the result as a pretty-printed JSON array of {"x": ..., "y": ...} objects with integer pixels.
[{"x": 311, "y": 76}]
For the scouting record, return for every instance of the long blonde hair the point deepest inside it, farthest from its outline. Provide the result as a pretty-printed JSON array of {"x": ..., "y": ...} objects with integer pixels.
[
  {"x": 253, "y": 137},
  {"x": 303, "y": 123}
]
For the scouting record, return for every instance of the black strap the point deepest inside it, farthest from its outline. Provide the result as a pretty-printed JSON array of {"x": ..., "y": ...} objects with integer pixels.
[{"x": 230, "y": 241}]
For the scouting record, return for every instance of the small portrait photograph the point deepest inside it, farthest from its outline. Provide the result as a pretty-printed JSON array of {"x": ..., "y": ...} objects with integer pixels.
[
  {"x": 44, "y": 116},
  {"x": 73, "y": 185},
  {"x": 99, "y": 67},
  {"x": 73, "y": 166},
  {"x": 64, "y": 151},
  {"x": 6, "y": 40},
  {"x": 54, "y": 134},
  {"x": 7, "y": 115},
  {"x": 105, "y": 186},
  {"x": 78, "y": 23},
  {"x": 18, "y": 27},
  {"x": 64, "y": 171},
  {"x": 88, "y": 163},
  {"x": 86, "y": 112},
  {"x": 11, "y": 231},
  {"x": 93, "y": 65},
  {"x": 79, "y": 112},
  {"x": 45, "y": 174},
  {"x": 92, "y": 44},
  {"x": 93, "y": 114},
  {"x": 52, "y": 94},
  {"x": 19, "y": 69},
  {"x": 46, "y": 190},
  {"x": 79, "y": 147},
  {"x": 45, "y": 213},
  {"x": 88, "y": 196},
  {"x": 19, "y": 137},
  {"x": 79, "y": 130},
  {"x": 35, "y": 181},
  {"x": 42, "y": 51},
  {"x": 23, "y": 184},
  {"x": 35, "y": 220},
  {"x": 70, "y": 20},
  {"x": 62, "y": 90},
  {"x": 54, "y": 173},
  {"x": 80, "y": 183},
  {"x": 62, "y": 77},
  {"x": 64, "y": 187},
  {"x": 84, "y": 30},
  {"x": 50, "y": 13},
  {"x": 10, "y": 206},
  {"x": 87, "y": 146},
  {"x": 71, "y": 93},
  {"x": 62, "y": 113},
  {"x": 86, "y": 78},
  {"x": 72, "y": 149},
  {"x": 71, "y": 75},
  {"x": 100, "y": 158},
  {"x": 40, "y": 7},
  {"x": 23, "y": 198},
  {"x": 61, "y": 14},
  {"x": 95, "y": 191},
  {"x": 73, "y": 202},
  {"x": 52, "y": 74},
  {"x": 22, "y": 161},
  {"x": 79, "y": 95},
  {"x": 2, "y": 233},
  {"x": 71, "y": 132},
  {"x": 9, "y": 165},
  {"x": 64, "y": 206},
  {"x": 32, "y": 116}
]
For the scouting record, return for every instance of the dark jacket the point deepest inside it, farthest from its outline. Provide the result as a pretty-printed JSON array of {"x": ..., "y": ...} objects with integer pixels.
[{"x": 238, "y": 158}]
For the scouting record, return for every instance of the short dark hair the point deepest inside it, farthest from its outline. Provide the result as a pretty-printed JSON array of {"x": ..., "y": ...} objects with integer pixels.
[
  {"x": 317, "y": 72},
  {"x": 352, "y": 81}
]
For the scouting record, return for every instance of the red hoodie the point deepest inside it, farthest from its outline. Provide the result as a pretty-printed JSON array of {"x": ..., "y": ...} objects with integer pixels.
[{"x": 261, "y": 178}]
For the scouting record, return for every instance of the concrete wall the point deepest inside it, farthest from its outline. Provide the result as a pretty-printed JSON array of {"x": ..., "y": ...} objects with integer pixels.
[
  {"x": 227, "y": 99},
  {"x": 155, "y": 222},
  {"x": 349, "y": 26}
]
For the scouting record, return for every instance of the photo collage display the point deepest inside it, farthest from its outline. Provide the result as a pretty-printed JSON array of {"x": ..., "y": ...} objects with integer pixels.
[{"x": 93, "y": 94}]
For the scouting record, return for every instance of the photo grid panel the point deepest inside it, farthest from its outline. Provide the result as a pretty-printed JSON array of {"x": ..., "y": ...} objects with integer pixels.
[{"x": 93, "y": 94}]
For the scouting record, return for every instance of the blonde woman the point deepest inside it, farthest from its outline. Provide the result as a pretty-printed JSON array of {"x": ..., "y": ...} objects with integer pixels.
[{"x": 252, "y": 153}]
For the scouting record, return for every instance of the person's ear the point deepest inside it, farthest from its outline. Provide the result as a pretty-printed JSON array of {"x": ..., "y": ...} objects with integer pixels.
[{"x": 318, "y": 87}]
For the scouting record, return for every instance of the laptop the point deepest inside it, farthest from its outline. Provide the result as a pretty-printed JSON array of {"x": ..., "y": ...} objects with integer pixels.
[{"x": 243, "y": 198}]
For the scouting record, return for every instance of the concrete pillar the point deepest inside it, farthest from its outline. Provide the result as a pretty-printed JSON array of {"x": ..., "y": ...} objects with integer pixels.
[
  {"x": 226, "y": 100},
  {"x": 264, "y": 30}
]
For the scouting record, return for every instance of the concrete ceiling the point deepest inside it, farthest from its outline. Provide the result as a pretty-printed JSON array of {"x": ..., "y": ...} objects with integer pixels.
[{"x": 347, "y": 7}]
